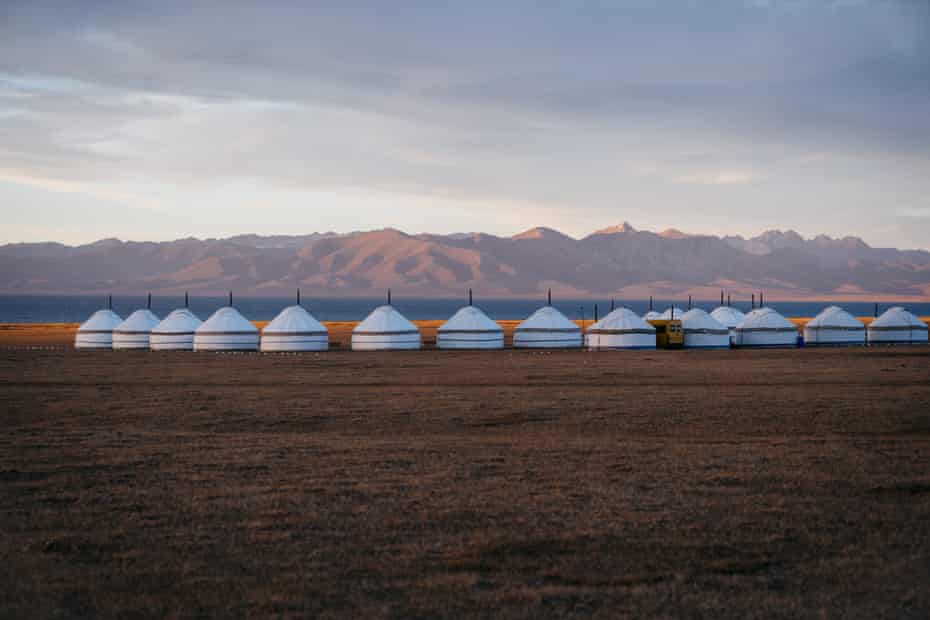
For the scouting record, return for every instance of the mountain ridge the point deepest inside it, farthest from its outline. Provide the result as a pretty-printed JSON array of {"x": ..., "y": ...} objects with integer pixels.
[{"x": 618, "y": 260}]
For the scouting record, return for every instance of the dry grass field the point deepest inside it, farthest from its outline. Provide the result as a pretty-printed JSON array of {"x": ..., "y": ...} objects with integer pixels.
[{"x": 435, "y": 484}]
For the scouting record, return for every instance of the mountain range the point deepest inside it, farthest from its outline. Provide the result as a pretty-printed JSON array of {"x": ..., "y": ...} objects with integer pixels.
[{"x": 619, "y": 261}]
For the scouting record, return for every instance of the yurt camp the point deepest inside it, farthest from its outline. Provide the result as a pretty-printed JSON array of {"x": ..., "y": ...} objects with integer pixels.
[
  {"x": 470, "y": 328},
  {"x": 226, "y": 330},
  {"x": 702, "y": 331},
  {"x": 295, "y": 329},
  {"x": 385, "y": 329},
  {"x": 97, "y": 331},
  {"x": 134, "y": 332},
  {"x": 729, "y": 317},
  {"x": 764, "y": 327},
  {"x": 621, "y": 329},
  {"x": 547, "y": 328},
  {"x": 834, "y": 327},
  {"x": 897, "y": 326},
  {"x": 175, "y": 332}
]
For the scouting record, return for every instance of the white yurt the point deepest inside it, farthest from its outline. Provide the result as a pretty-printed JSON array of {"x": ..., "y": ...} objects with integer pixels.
[
  {"x": 729, "y": 317},
  {"x": 134, "y": 332},
  {"x": 175, "y": 332},
  {"x": 295, "y": 329},
  {"x": 226, "y": 330},
  {"x": 652, "y": 315},
  {"x": 764, "y": 327},
  {"x": 834, "y": 326},
  {"x": 897, "y": 326},
  {"x": 672, "y": 312},
  {"x": 547, "y": 328},
  {"x": 621, "y": 329},
  {"x": 702, "y": 331},
  {"x": 470, "y": 328},
  {"x": 97, "y": 331},
  {"x": 385, "y": 329}
]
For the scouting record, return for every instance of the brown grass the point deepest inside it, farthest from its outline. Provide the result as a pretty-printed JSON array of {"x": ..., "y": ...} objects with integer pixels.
[{"x": 503, "y": 484}]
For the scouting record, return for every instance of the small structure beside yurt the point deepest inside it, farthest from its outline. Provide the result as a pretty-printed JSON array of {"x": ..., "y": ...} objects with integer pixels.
[
  {"x": 897, "y": 326},
  {"x": 385, "y": 329},
  {"x": 620, "y": 329},
  {"x": 176, "y": 331},
  {"x": 470, "y": 328},
  {"x": 226, "y": 330},
  {"x": 547, "y": 328},
  {"x": 729, "y": 317},
  {"x": 295, "y": 329},
  {"x": 97, "y": 331},
  {"x": 702, "y": 331},
  {"x": 134, "y": 332},
  {"x": 764, "y": 327},
  {"x": 834, "y": 327}
]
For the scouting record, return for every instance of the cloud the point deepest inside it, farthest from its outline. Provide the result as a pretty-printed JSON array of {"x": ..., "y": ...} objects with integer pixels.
[
  {"x": 723, "y": 177},
  {"x": 74, "y": 187}
]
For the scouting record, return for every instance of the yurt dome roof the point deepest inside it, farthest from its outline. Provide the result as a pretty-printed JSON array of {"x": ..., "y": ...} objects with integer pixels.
[
  {"x": 385, "y": 320},
  {"x": 101, "y": 321},
  {"x": 897, "y": 317},
  {"x": 621, "y": 320},
  {"x": 728, "y": 316},
  {"x": 668, "y": 313},
  {"x": 834, "y": 316},
  {"x": 227, "y": 321},
  {"x": 139, "y": 321},
  {"x": 766, "y": 318},
  {"x": 294, "y": 320},
  {"x": 547, "y": 318},
  {"x": 470, "y": 319},
  {"x": 697, "y": 320},
  {"x": 652, "y": 315},
  {"x": 180, "y": 321}
]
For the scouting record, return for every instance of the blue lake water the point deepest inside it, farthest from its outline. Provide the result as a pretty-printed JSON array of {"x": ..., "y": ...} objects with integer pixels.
[{"x": 74, "y": 308}]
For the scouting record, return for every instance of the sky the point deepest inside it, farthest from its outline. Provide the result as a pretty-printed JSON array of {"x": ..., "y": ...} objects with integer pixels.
[{"x": 155, "y": 121}]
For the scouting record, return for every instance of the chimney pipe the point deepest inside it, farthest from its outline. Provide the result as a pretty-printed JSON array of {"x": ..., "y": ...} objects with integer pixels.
[
  {"x": 753, "y": 301},
  {"x": 728, "y": 300},
  {"x": 469, "y": 297},
  {"x": 230, "y": 299},
  {"x": 595, "y": 313},
  {"x": 611, "y": 304},
  {"x": 650, "y": 303},
  {"x": 389, "y": 297},
  {"x": 148, "y": 303},
  {"x": 186, "y": 300},
  {"x": 109, "y": 302},
  {"x": 549, "y": 298},
  {"x": 298, "y": 297},
  {"x": 689, "y": 302},
  {"x": 761, "y": 299},
  {"x": 721, "y": 297}
]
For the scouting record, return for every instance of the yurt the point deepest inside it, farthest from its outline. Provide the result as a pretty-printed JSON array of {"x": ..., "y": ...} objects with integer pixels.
[
  {"x": 134, "y": 332},
  {"x": 295, "y": 329},
  {"x": 672, "y": 312},
  {"x": 97, "y": 331},
  {"x": 175, "y": 332},
  {"x": 652, "y": 315},
  {"x": 470, "y": 328},
  {"x": 729, "y": 317},
  {"x": 621, "y": 329},
  {"x": 226, "y": 330},
  {"x": 834, "y": 326},
  {"x": 702, "y": 331},
  {"x": 897, "y": 326},
  {"x": 547, "y": 328},
  {"x": 764, "y": 327},
  {"x": 385, "y": 329}
]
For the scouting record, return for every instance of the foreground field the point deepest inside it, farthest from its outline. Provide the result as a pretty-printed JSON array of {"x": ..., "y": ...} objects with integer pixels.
[{"x": 516, "y": 484}]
